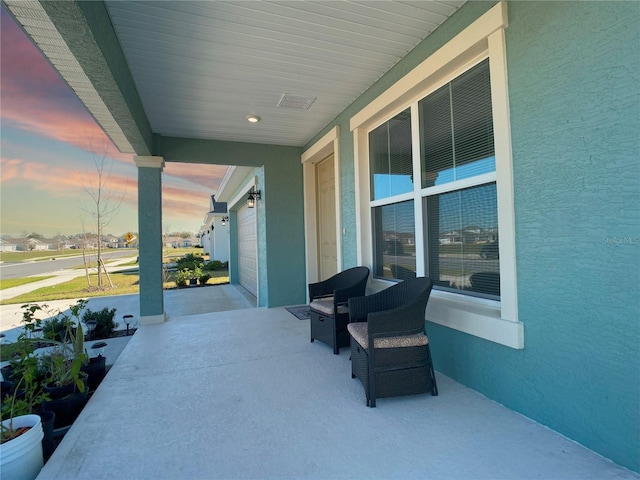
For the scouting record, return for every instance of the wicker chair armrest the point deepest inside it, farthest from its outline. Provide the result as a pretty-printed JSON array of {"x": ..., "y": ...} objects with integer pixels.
[
  {"x": 320, "y": 289},
  {"x": 342, "y": 295}
]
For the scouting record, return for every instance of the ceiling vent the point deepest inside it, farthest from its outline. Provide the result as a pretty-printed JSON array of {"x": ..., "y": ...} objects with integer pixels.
[{"x": 296, "y": 101}]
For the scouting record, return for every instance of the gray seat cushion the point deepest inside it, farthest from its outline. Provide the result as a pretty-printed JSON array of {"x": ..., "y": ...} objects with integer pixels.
[
  {"x": 360, "y": 333},
  {"x": 325, "y": 305}
]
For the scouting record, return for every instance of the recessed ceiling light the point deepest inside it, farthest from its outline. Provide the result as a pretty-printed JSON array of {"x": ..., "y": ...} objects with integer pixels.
[{"x": 253, "y": 118}]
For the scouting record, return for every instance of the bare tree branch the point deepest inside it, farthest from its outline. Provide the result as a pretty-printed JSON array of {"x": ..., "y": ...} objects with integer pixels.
[{"x": 105, "y": 201}]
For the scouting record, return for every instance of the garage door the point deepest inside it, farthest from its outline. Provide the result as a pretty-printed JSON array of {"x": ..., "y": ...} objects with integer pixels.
[{"x": 247, "y": 249}]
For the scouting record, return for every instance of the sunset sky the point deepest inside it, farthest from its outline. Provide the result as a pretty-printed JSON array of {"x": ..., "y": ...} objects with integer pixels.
[{"x": 49, "y": 145}]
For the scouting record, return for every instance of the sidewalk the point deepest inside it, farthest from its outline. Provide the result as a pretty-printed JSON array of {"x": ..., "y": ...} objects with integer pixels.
[
  {"x": 60, "y": 276},
  {"x": 11, "y": 315}
]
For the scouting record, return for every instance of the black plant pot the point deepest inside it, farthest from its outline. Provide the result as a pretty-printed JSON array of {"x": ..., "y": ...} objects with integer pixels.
[
  {"x": 7, "y": 388},
  {"x": 96, "y": 370},
  {"x": 66, "y": 409},
  {"x": 9, "y": 374},
  {"x": 56, "y": 393},
  {"x": 48, "y": 420}
]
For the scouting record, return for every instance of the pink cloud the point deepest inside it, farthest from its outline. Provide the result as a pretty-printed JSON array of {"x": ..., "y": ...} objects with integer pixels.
[
  {"x": 35, "y": 98},
  {"x": 206, "y": 176},
  {"x": 62, "y": 182},
  {"x": 185, "y": 204},
  {"x": 10, "y": 168}
]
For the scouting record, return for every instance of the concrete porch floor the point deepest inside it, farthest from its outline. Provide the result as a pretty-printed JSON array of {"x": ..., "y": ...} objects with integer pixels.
[{"x": 243, "y": 394}]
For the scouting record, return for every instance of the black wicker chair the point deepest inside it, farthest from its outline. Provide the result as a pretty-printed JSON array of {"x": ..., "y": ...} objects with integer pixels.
[
  {"x": 328, "y": 306},
  {"x": 393, "y": 322}
]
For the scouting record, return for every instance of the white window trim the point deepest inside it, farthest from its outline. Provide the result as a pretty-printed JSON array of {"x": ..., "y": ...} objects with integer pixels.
[
  {"x": 492, "y": 320},
  {"x": 327, "y": 145}
]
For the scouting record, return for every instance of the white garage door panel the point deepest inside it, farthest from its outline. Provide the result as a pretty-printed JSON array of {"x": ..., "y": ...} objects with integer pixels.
[{"x": 247, "y": 249}]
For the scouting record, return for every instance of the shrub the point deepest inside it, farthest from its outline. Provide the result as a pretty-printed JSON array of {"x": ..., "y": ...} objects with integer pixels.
[
  {"x": 204, "y": 278},
  {"x": 56, "y": 328},
  {"x": 189, "y": 262},
  {"x": 105, "y": 325},
  {"x": 213, "y": 265}
]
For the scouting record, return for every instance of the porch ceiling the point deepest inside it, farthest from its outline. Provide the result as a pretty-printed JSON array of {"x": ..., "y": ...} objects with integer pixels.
[{"x": 199, "y": 68}]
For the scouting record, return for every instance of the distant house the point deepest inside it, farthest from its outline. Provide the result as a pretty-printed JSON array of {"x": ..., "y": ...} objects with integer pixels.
[
  {"x": 10, "y": 244},
  {"x": 7, "y": 246},
  {"x": 124, "y": 243},
  {"x": 189, "y": 242},
  {"x": 179, "y": 242},
  {"x": 110, "y": 241},
  {"x": 214, "y": 233}
]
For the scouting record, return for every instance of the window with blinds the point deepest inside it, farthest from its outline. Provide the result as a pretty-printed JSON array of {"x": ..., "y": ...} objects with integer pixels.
[
  {"x": 457, "y": 187},
  {"x": 390, "y": 157},
  {"x": 395, "y": 241},
  {"x": 457, "y": 129},
  {"x": 462, "y": 240},
  {"x": 461, "y": 222}
]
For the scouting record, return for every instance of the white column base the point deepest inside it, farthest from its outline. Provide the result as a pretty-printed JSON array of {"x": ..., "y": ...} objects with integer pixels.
[{"x": 151, "y": 319}]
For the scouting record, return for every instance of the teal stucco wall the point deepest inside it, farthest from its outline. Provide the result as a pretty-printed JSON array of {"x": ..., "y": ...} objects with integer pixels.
[
  {"x": 437, "y": 39},
  {"x": 574, "y": 84},
  {"x": 280, "y": 212},
  {"x": 150, "y": 202},
  {"x": 574, "y": 94}
]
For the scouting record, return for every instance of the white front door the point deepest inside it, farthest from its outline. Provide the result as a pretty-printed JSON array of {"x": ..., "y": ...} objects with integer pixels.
[
  {"x": 327, "y": 246},
  {"x": 247, "y": 249}
]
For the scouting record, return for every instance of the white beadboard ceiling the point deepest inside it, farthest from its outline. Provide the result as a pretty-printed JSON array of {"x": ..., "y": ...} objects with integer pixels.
[{"x": 201, "y": 67}]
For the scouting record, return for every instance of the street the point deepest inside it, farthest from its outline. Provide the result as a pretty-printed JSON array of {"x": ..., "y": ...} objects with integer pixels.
[{"x": 43, "y": 267}]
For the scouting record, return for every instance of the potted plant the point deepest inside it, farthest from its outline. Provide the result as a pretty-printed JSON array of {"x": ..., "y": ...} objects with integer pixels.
[
  {"x": 65, "y": 383},
  {"x": 100, "y": 324},
  {"x": 21, "y": 450},
  {"x": 182, "y": 278},
  {"x": 22, "y": 437},
  {"x": 203, "y": 278},
  {"x": 189, "y": 269}
]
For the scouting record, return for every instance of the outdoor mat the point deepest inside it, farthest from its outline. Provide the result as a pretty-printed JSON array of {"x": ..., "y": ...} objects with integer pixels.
[{"x": 300, "y": 311}]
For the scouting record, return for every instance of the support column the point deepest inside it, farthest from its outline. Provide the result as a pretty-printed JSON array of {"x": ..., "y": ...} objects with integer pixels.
[{"x": 150, "y": 238}]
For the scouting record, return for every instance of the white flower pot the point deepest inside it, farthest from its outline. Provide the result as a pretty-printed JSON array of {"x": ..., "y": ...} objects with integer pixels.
[{"x": 21, "y": 458}]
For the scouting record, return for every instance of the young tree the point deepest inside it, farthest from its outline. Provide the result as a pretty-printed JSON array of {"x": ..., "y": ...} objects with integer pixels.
[{"x": 105, "y": 199}]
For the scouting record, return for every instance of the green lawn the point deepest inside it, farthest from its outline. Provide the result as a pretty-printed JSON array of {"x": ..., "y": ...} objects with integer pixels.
[
  {"x": 77, "y": 288},
  {"x": 16, "y": 282},
  {"x": 124, "y": 283},
  {"x": 40, "y": 255}
]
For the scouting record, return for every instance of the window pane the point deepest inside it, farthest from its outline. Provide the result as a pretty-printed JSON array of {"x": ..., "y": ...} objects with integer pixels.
[
  {"x": 390, "y": 157},
  {"x": 463, "y": 241},
  {"x": 457, "y": 129},
  {"x": 395, "y": 241}
]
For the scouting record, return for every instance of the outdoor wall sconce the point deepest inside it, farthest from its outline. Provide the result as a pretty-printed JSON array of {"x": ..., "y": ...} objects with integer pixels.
[
  {"x": 224, "y": 221},
  {"x": 253, "y": 196}
]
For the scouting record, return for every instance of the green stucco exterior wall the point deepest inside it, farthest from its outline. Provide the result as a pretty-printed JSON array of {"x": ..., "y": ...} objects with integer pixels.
[
  {"x": 574, "y": 93},
  {"x": 280, "y": 212},
  {"x": 437, "y": 39}
]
